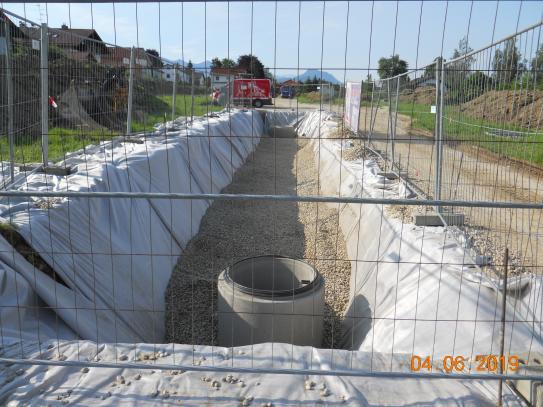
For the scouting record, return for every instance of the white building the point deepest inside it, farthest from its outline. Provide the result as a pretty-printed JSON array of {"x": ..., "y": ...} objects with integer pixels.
[
  {"x": 220, "y": 77},
  {"x": 182, "y": 74}
]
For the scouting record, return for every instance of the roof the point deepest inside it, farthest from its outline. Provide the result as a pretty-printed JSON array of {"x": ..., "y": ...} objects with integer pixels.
[
  {"x": 118, "y": 55},
  {"x": 64, "y": 37},
  {"x": 14, "y": 30},
  {"x": 227, "y": 71},
  {"x": 290, "y": 82}
]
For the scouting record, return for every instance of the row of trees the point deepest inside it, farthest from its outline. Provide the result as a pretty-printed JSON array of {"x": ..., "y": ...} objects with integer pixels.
[
  {"x": 249, "y": 63},
  {"x": 506, "y": 64}
]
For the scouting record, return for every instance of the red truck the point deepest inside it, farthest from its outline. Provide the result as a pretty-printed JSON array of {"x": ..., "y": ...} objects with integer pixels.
[{"x": 255, "y": 92}]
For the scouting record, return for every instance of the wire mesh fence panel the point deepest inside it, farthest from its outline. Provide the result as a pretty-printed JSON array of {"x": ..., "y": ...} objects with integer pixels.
[
  {"x": 491, "y": 131},
  {"x": 218, "y": 224},
  {"x": 87, "y": 101},
  {"x": 21, "y": 119},
  {"x": 399, "y": 120}
]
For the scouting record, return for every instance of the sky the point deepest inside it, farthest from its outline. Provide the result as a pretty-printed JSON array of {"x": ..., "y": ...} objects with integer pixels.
[{"x": 344, "y": 38}]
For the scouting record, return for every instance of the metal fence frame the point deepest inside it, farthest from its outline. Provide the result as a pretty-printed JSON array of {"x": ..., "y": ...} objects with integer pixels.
[
  {"x": 44, "y": 102},
  {"x": 392, "y": 97}
]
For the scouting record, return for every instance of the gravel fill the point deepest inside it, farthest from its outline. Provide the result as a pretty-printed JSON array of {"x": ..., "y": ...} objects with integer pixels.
[{"x": 231, "y": 231}]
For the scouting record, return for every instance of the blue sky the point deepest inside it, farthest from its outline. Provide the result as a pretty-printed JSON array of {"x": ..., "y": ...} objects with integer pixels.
[{"x": 199, "y": 31}]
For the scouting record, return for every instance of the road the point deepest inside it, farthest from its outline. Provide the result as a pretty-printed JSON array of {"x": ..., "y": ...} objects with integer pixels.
[{"x": 292, "y": 104}]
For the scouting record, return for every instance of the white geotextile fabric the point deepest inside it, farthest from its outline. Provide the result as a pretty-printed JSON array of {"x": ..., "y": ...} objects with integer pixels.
[
  {"x": 5, "y": 173},
  {"x": 40, "y": 385},
  {"x": 23, "y": 315},
  {"x": 404, "y": 273},
  {"x": 282, "y": 118},
  {"x": 116, "y": 256}
]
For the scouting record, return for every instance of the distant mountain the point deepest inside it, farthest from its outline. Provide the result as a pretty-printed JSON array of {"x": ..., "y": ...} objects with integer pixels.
[
  {"x": 310, "y": 74},
  {"x": 200, "y": 66}
]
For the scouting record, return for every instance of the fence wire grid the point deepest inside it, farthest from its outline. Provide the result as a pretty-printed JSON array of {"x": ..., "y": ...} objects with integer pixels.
[{"x": 156, "y": 217}]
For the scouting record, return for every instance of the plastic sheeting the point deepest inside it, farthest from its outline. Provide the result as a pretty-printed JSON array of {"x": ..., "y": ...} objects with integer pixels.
[
  {"x": 282, "y": 118},
  {"x": 116, "y": 255},
  {"x": 39, "y": 385},
  {"x": 23, "y": 314}
]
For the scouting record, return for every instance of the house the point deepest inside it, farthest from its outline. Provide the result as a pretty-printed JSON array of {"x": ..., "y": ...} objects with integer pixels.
[
  {"x": 84, "y": 40},
  {"x": 220, "y": 77},
  {"x": 290, "y": 82},
  {"x": 199, "y": 77},
  {"x": 15, "y": 32},
  {"x": 119, "y": 57},
  {"x": 182, "y": 74},
  {"x": 171, "y": 71}
]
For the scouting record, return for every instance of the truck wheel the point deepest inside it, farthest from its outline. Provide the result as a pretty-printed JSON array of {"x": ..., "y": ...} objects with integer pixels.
[{"x": 258, "y": 103}]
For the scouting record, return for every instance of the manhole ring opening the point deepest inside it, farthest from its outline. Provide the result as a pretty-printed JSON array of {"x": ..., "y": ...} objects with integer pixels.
[{"x": 272, "y": 276}]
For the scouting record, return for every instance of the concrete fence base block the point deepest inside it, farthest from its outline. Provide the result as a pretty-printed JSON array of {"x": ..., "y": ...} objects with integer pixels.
[
  {"x": 60, "y": 171},
  {"x": 433, "y": 219},
  {"x": 392, "y": 175}
]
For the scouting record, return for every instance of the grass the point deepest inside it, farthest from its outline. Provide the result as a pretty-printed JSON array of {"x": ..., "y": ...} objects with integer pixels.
[
  {"x": 420, "y": 114},
  {"x": 471, "y": 131},
  {"x": 182, "y": 108},
  {"x": 315, "y": 98},
  {"x": 63, "y": 141},
  {"x": 458, "y": 127}
]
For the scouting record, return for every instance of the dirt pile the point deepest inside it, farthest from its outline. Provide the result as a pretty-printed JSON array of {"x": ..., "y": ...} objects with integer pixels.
[
  {"x": 423, "y": 95},
  {"x": 521, "y": 108}
]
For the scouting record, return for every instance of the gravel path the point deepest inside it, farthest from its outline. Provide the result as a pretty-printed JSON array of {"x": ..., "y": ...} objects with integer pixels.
[
  {"x": 231, "y": 231},
  {"x": 471, "y": 173}
]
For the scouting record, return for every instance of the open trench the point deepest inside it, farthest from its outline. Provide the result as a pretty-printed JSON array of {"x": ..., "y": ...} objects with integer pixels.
[{"x": 231, "y": 231}]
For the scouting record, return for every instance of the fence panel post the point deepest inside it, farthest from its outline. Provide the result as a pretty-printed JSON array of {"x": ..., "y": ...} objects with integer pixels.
[
  {"x": 44, "y": 81},
  {"x": 438, "y": 129},
  {"x": 389, "y": 125},
  {"x": 191, "y": 95},
  {"x": 174, "y": 90},
  {"x": 371, "y": 111},
  {"x": 503, "y": 325},
  {"x": 130, "y": 91},
  {"x": 330, "y": 95},
  {"x": 9, "y": 80},
  {"x": 395, "y": 123}
]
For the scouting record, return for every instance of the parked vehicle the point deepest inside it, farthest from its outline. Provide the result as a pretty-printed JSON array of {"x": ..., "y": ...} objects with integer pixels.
[
  {"x": 252, "y": 92},
  {"x": 288, "y": 91}
]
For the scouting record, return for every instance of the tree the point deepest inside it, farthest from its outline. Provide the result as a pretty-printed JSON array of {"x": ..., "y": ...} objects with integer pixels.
[
  {"x": 216, "y": 63},
  {"x": 506, "y": 62},
  {"x": 430, "y": 70},
  {"x": 189, "y": 65},
  {"x": 537, "y": 64},
  {"x": 252, "y": 65},
  {"x": 228, "y": 63},
  {"x": 464, "y": 49},
  {"x": 389, "y": 67},
  {"x": 156, "y": 62},
  {"x": 459, "y": 70}
]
